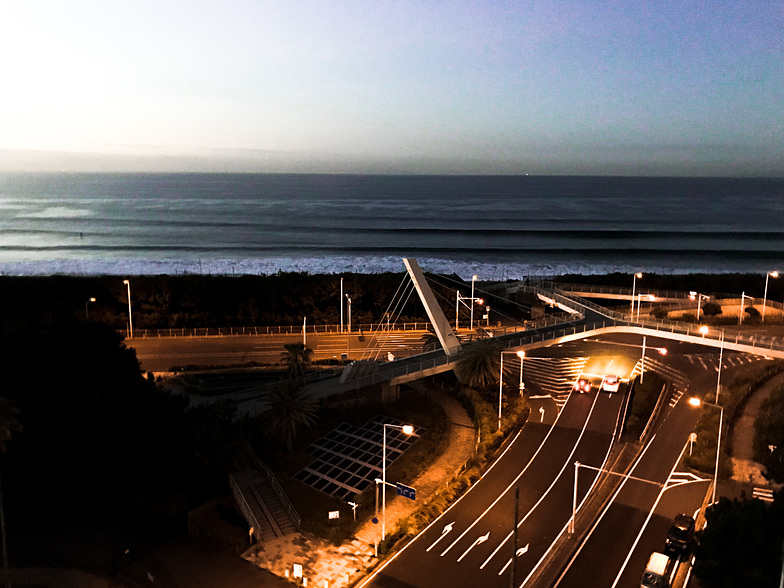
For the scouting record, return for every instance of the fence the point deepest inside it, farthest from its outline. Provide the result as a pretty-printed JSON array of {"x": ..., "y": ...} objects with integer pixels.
[{"x": 277, "y": 330}]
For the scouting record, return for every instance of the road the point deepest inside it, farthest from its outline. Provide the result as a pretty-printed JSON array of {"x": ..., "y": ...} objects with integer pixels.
[
  {"x": 472, "y": 542},
  {"x": 161, "y": 354}
]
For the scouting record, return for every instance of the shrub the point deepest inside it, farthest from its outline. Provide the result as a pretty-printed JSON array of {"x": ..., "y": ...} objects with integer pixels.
[
  {"x": 711, "y": 309},
  {"x": 752, "y": 312},
  {"x": 660, "y": 312}
]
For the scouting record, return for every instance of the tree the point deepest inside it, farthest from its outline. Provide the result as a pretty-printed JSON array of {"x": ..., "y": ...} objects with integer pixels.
[
  {"x": 479, "y": 363},
  {"x": 430, "y": 341},
  {"x": 711, "y": 308},
  {"x": 290, "y": 409},
  {"x": 298, "y": 359},
  {"x": 741, "y": 544},
  {"x": 8, "y": 426}
]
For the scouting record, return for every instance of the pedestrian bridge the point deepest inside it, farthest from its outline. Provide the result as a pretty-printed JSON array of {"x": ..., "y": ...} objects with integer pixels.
[{"x": 588, "y": 320}]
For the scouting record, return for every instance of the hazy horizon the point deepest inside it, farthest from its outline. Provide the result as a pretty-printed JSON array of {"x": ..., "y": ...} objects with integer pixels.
[{"x": 461, "y": 87}]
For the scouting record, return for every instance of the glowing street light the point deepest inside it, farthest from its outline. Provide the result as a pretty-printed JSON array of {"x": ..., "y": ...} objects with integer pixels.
[
  {"x": 130, "y": 317},
  {"x": 86, "y": 311},
  {"x": 697, "y": 402},
  {"x": 634, "y": 285},
  {"x": 408, "y": 430},
  {"x": 765, "y": 296}
]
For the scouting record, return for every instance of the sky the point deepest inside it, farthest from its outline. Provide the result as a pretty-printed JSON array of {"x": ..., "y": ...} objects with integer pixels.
[{"x": 572, "y": 86}]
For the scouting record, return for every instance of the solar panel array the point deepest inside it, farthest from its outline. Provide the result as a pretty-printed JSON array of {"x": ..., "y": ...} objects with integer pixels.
[{"x": 348, "y": 458}]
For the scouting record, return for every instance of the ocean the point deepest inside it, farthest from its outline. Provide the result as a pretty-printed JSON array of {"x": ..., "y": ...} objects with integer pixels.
[{"x": 497, "y": 227}]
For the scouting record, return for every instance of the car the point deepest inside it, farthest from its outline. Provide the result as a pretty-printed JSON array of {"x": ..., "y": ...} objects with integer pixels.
[
  {"x": 611, "y": 383},
  {"x": 681, "y": 534},
  {"x": 583, "y": 385}
]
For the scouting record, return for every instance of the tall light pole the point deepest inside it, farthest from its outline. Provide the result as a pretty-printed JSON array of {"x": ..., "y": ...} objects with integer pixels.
[
  {"x": 765, "y": 296},
  {"x": 521, "y": 355},
  {"x": 634, "y": 286},
  {"x": 86, "y": 311},
  {"x": 349, "y": 312},
  {"x": 473, "y": 281},
  {"x": 130, "y": 316},
  {"x": 697, "y": 402},
  {"x": 721, "y": 360},
  {"x": 408, "y": 430},
  {"x": 341, "y": 305},
  {"x": 742, "y": 300}
]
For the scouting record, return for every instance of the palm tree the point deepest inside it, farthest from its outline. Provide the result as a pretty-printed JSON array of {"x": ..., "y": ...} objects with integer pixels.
[
  {"x": 479, "y": 363},
  {"x": 298, "y": 359},
  {"x": 8, "y": 426},
  {"x": 430, "y": 341},
  {"x": 290, "y": 409}
]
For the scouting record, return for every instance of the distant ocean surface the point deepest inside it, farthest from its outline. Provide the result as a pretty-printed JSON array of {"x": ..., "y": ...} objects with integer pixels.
[{"x": 497, "y": 227}]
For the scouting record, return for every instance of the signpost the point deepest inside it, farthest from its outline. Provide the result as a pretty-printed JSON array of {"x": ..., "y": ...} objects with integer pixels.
[{"x": 405, "y": 491}]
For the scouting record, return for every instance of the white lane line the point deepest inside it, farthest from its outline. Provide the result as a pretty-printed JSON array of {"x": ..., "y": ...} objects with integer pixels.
[
  {"x": 567, "y": 463},
  {"x": 444, "y": 533},
  {"x": 478, "y": 541},
  {"x": 530, "y": 461},
  {"x": 648, "y": 518}
]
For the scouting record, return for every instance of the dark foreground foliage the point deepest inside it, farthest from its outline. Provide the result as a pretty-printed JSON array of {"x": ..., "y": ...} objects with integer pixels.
[
  {"x": 101, "y": 446},
  {"x": 742, "y": 544}
]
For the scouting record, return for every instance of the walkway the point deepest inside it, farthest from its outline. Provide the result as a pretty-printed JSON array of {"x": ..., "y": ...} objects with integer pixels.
[
  {"x": 744, "y": 468},
  {"x": 327, "y": 565}
]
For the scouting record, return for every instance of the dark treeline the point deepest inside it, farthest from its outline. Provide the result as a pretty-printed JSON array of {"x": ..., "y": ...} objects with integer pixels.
[
  {"x": 207, "y": 301},
  {"x": 196, "y": 301}
]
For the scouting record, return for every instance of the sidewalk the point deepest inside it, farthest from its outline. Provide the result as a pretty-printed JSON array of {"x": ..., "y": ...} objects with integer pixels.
[{"x": 336, "y": 566}]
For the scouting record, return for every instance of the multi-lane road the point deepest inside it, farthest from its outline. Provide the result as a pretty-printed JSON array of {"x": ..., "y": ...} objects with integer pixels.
[{"x": 479, "y": 541}]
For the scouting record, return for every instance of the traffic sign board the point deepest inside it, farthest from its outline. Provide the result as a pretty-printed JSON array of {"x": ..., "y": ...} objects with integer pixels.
[{"x": 405, "y": 491}]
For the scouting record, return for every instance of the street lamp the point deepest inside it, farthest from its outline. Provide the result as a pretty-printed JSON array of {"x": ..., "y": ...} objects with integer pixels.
[
  {"x": 349, "y": 312},
  {"x": 473, "y": 281},
  {"x": 86, "y": 311},
  {"x": 130, "y": 316},
  {"x": 765, "y": 296},
  {"x": 743, "y": 297},
  {"x": 696, "y": 402},
  {"x": 634, "y": 285},
  {"x": 699, "y": 297},
  {"x": 408, "y": 430},
  {"x": 661, "y": 350},
  {"x": 521, "y": 355}
]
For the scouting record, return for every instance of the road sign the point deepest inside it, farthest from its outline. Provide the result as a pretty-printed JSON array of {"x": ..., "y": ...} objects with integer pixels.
[
  {"x": 405, "y": 491},
  {"x": 334, "y": 514}
]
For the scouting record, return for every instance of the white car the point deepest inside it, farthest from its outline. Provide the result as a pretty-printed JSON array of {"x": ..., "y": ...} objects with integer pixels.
[{"x": 611, "y": 384}]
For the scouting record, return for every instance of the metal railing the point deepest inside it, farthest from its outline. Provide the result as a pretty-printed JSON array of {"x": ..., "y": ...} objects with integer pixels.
[
  {"x": 278, "y": 330},
  {"x": 276, "y": 487},
  {"x": 245, "y": 508}
]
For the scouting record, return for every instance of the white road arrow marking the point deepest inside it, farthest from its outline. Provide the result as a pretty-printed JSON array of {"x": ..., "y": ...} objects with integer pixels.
[
  {"x": 479, "y": 540},
  {"x": 519, "y": 552},
  {"x": 444, "y": 533}
]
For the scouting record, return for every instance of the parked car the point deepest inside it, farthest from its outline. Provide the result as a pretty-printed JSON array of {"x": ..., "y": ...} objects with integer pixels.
[
  {"x": 681, "y": 534},
  {"x": 582, "y": 385}
]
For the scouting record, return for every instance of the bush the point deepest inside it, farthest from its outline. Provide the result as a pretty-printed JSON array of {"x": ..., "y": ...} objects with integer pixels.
[
  {"x": 752, "y": 312},
  {"x": 711, "y": 309},
  {"x": 660, "y": 312}
]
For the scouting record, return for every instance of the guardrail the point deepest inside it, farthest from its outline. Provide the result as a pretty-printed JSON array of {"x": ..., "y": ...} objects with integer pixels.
[
  {"x": 277, "y": 330},
  {"x": 275, "y": 485},
  {"x": 245, "y": 508}
]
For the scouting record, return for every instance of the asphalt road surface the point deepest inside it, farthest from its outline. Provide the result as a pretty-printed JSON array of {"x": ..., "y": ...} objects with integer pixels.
[{"x": 471, "y": 544}]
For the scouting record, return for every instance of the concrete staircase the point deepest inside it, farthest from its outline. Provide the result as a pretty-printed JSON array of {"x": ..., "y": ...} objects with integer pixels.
[{"x": 262, "y": 501}]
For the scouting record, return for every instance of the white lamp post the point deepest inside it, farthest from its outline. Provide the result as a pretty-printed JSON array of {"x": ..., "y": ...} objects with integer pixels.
[
  {"x": 765, "y": 296},
  {"x": 130, "y": 317},
  {"x": 341, "y": 305},
  {"x": 742, "y": 300},
  {"x": 473, "y": 281},
  {"x": 521, "y": 355},
  {"x": 408, "y": 430},
  {"x": 697, "y": 402},
  {"x": 349, "y": 312},
  {"x": 86, "y": 311},
  {"x": 634, "y": 285}
]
